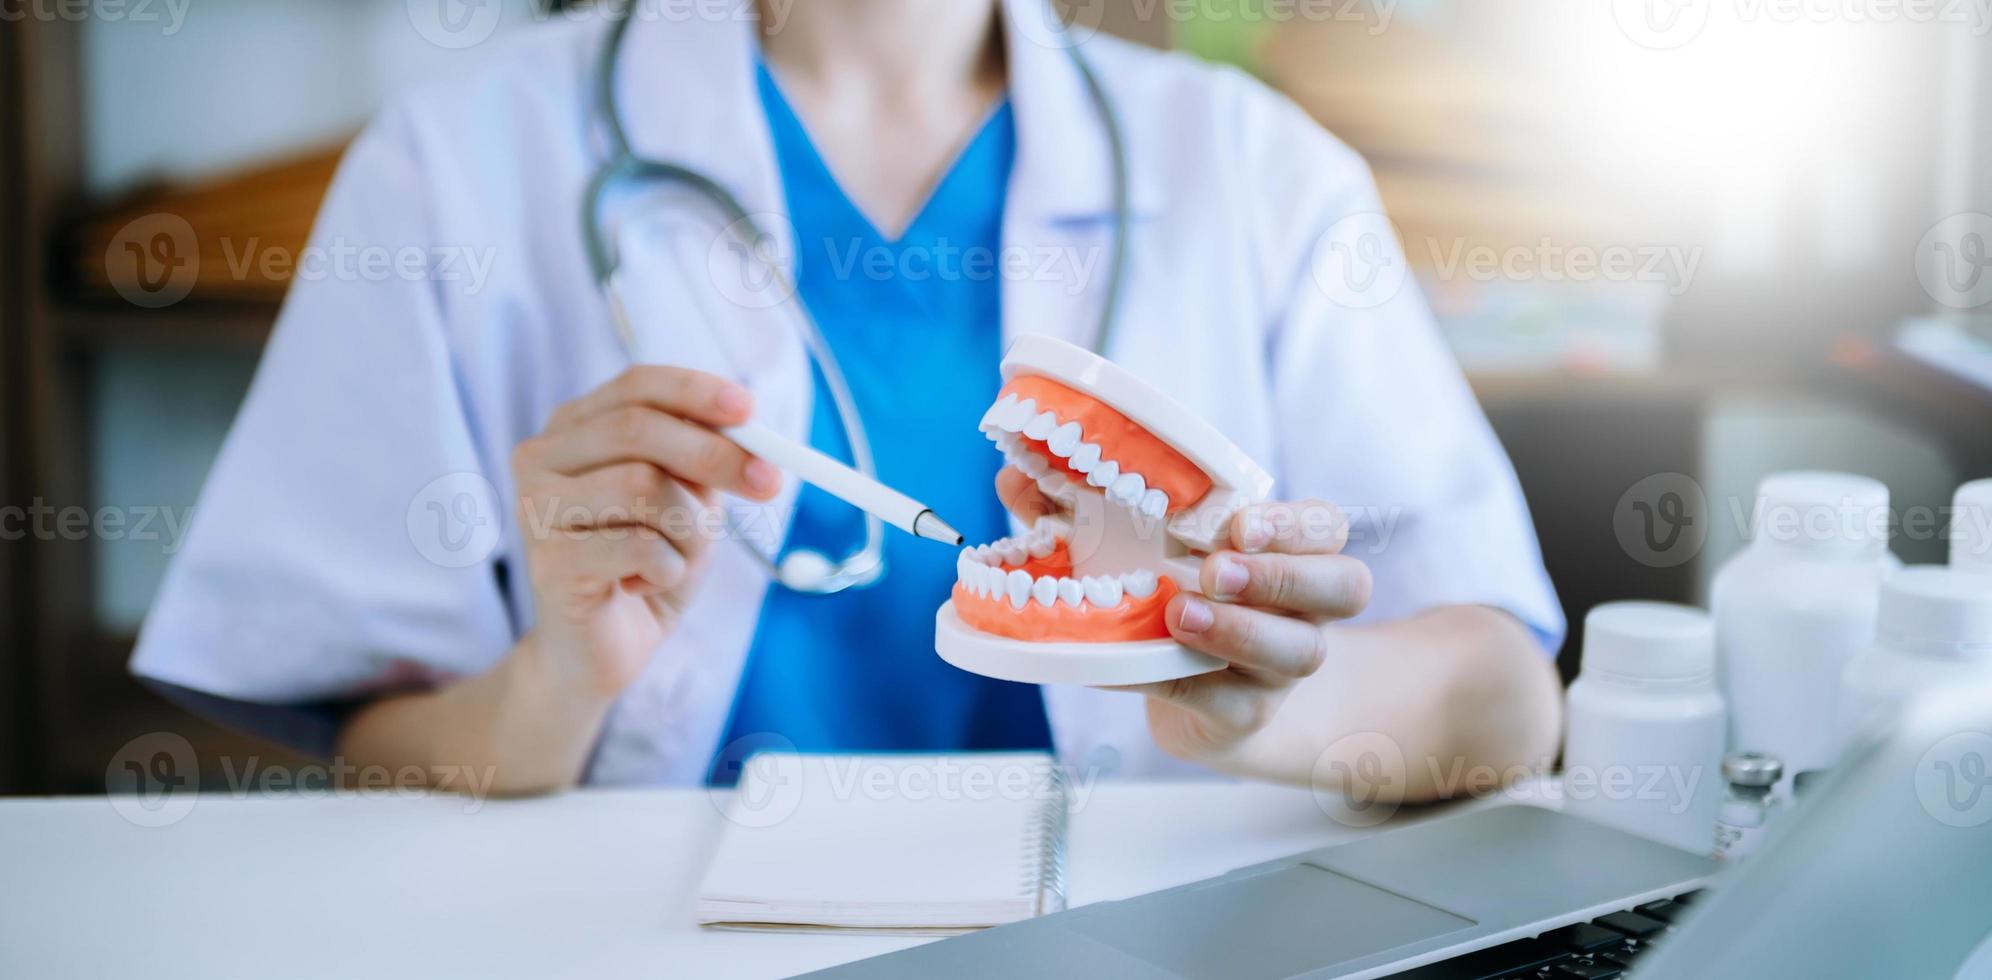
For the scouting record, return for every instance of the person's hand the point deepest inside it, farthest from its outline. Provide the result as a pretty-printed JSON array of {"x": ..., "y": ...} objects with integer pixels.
[
  {"x": 616, "y": 506},
  {"x": 1264, "y": 605}
]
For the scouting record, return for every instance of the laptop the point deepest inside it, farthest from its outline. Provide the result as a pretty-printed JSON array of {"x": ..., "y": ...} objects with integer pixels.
[{"x": 1885, "y": 870}]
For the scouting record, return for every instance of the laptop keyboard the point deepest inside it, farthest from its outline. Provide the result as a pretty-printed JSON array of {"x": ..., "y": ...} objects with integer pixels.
[{"x": 1605, "y": 947}]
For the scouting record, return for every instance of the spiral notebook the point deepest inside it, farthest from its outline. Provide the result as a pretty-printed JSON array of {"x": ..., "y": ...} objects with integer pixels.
[{"x": 889, "y": 844}]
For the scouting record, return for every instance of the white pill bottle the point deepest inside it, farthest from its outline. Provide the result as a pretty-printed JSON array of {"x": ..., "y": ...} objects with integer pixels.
[
  {"x": 1971, "y": 528},
  {"x": 1934, "y": 632},
  {"x": 1646, "y": 725},
  {"x": 1794, "y": 607}
]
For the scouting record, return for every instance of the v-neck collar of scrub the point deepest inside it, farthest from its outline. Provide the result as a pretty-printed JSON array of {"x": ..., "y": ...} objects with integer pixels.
[{"x": 790, "y": 131}]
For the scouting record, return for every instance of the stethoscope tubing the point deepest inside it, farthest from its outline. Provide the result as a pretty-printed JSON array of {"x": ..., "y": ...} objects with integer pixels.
[{"x": 865, "y": 565}]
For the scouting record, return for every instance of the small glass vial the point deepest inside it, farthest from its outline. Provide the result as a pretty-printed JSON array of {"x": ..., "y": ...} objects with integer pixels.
[{"x": 1749, "y": 805}]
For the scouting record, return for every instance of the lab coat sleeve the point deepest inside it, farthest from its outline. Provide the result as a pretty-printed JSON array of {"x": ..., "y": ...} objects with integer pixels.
[
  {"x": 1376, "y": 417},
  {"x": 318, "y": 569}
]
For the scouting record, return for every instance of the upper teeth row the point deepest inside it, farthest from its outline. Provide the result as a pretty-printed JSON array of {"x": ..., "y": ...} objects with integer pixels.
[
  {"x": 1017, "y": 585},
  {"x": 1012, "y": 417}
]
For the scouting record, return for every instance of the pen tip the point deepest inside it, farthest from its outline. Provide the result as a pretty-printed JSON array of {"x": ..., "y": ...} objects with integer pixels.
[{"x": 931, "y": 527}]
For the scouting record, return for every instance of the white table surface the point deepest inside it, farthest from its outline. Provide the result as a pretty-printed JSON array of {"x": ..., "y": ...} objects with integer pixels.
[{"x": 594, "y": 883}]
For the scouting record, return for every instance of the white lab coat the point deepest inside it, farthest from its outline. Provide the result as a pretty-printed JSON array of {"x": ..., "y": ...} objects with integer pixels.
[{"x": 311, "y": 574}]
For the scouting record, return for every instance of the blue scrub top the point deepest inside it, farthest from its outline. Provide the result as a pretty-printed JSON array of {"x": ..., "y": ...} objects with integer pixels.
[{"x": 915, "y": 323}]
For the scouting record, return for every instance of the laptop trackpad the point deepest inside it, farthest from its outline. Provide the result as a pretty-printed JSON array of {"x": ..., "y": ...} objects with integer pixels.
[{"x": 1277, "y": 924}]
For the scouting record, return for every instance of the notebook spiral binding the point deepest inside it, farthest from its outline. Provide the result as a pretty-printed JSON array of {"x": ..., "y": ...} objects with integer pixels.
[{"x": 1044, "y": 844}]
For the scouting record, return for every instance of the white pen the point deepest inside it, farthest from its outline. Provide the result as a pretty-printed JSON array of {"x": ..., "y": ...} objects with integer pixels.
[{"x": 843, "y": 482}]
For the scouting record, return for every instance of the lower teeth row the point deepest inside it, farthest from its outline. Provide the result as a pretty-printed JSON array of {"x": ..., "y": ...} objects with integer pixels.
[{"x": 1017, "y": 585}]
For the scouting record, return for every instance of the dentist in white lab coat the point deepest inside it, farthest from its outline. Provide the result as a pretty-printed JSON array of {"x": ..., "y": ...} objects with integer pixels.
[{"x": 365, "y": 575}]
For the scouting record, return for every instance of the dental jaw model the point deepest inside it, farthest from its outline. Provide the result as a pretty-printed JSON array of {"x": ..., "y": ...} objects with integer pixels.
[{"x": 1149, "y": 488}]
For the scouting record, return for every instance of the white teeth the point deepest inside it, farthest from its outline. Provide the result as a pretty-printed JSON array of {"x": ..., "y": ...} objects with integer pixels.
[
  {"x": 996, "y": 411},
  {"x": 1064, "y": 439},
  {"x": 1018, "y": 586},
  {"x": 1103, "y": 592},
  {"x": 982, "y": 578},
  {"x": 1128, "y": 489},
  {"x": 1070, "y": 592},
  {"x": 1140, "y": 584},
  {"x": 1015, "y": 415},
  {"x": 992, "y": 570},
  {"x": 1045, "y": 590}
]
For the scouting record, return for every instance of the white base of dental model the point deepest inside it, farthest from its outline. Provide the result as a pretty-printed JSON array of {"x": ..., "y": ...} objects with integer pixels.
[
  {"x": 1093, "y": 664},
  {"x": 1110, "y": 538}
]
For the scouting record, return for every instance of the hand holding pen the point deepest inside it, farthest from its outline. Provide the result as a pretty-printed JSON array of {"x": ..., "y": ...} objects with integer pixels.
[{"x": 617, "y": 496}]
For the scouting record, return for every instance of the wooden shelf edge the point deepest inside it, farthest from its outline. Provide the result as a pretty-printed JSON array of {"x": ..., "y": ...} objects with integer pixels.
[
  {"x": 98, "y": 326},
  {"x": 197, "y": 242}
]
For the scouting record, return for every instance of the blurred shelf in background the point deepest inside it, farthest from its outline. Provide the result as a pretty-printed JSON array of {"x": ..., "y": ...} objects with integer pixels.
[
  {"x": 1470, "y": 139},
  {"x": 1934, "y": 376},
  {"x": 241, "y": 233},
  {"x": 232, "y": 327}
]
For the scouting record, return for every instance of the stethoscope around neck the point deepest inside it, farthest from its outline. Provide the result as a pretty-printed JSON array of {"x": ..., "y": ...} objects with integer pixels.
[{"x": 802, "y": 569}]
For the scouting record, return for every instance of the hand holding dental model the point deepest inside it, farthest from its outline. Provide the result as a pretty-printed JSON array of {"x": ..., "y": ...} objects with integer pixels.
[
  {"x": 1233, "y": 637},
  {"x": 1153, "y": 562}
]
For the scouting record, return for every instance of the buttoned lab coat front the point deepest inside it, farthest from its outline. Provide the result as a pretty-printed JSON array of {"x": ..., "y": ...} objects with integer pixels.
[{"x": 357, "y": 534}]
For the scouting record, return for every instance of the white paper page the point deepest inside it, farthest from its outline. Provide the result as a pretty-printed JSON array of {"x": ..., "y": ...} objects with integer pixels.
[{"x": 867, "y": 839}]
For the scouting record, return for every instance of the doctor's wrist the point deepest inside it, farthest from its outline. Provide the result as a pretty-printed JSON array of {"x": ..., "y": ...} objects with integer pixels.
[{"x": 547, "y": 667}]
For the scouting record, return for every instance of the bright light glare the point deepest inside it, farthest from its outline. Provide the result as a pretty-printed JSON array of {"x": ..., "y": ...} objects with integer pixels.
[{"x": 1742, "y": 101}]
